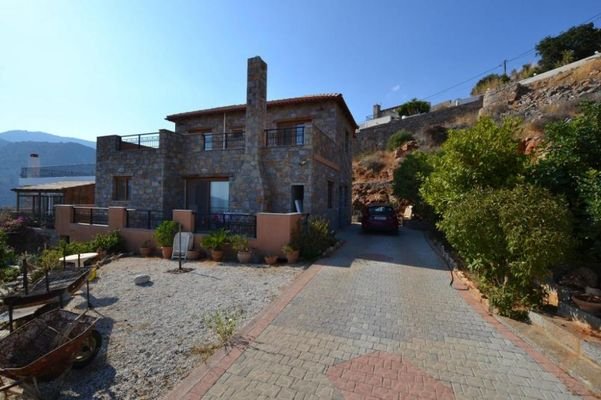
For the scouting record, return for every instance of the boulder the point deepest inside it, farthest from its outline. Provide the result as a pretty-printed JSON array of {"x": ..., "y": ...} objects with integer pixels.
[{"x": 142, "y": 279}]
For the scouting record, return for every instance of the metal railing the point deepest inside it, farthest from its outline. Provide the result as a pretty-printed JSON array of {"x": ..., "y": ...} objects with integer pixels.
[
  {"x": 223, "y": 141},
  {"x": 91, "y": 215},
  {"x": 143, "y": 219},
  {"x": 141, "y": 141},
  {"x": 294, "y": 136},
  {"x": 242, "y": 224},
  {"x": 59, "y": 170}
]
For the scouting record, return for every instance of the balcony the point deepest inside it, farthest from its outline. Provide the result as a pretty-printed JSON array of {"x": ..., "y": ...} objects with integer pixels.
[
  {"x": 294, "y": 136},
  {"x": 141, "y": 141},
  {"x": 223, "y": 141}
]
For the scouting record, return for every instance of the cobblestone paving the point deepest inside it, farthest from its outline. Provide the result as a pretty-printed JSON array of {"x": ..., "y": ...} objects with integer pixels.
[{"x": 380, "y": 321}]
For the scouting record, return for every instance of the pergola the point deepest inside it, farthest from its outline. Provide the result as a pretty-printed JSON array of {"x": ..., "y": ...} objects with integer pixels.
[{"x": 39, "y": 200}]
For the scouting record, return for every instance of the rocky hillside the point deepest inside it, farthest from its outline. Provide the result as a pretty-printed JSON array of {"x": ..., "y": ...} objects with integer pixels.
[{"x": 549, "y": 97}]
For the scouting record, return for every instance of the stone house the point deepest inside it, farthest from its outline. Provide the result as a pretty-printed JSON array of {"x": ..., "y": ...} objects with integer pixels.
[{"x": 279, "y": 156}]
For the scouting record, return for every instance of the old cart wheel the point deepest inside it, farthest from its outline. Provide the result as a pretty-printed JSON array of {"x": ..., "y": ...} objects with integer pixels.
[{"x": 89, "y": 348}]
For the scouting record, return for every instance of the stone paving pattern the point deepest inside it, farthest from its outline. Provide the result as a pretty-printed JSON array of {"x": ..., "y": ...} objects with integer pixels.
[{"x": 374, "y": 327}]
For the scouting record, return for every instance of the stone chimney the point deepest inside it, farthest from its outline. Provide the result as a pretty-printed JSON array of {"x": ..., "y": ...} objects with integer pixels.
[
  {"x": 248, "y": 190},
  {"x": 376, "y": 111},
  {"x": 34, "y": 166}
]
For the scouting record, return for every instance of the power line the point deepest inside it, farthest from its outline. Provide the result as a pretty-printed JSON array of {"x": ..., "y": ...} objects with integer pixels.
[{"x": 591, "y": 19}]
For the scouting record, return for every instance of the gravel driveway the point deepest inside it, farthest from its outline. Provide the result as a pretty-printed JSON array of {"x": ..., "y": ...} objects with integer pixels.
[{"x": 149, "y": 332}]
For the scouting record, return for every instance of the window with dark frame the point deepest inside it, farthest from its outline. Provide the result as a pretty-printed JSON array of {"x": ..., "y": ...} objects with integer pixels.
[
  {"x": 330, "y": 194},
  {"x": 121, "y": 188}
]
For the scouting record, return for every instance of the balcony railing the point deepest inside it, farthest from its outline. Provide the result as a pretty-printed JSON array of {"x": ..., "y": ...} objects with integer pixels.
[
  {"x": 242, "y": 224},
  {"x": 294, "y": 136},
  {"x": 141, "y": 141},
  {"x": 223, "y": 141},
  {"x": 58, "y": 171},
  {"x": 143, "y": 219},
  {"x": 91, "y": 215}
]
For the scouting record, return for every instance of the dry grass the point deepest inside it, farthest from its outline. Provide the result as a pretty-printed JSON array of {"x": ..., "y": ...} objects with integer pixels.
[{"x": 374, "y": 162}]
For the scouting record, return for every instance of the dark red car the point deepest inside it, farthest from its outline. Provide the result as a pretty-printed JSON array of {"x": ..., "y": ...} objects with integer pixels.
[{"x": 379, "y": 217}]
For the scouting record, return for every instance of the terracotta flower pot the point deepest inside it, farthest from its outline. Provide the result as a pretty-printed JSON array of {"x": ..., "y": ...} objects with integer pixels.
[
  {"x": 293, "y": 256},
  {"x": 589, "y": 303},
  {"x": 244, "y": 257},
  {"x": 271, "y": 260},
  {"x": 216, "y": 255},
  {"x": 145, "y": 251},
  {"x": 193, "y": 254},
  {"x": 167, "y": 252}
]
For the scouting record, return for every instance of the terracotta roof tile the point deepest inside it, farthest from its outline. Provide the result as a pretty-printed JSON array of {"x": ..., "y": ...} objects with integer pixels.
[{"x": 315, "y": 98}]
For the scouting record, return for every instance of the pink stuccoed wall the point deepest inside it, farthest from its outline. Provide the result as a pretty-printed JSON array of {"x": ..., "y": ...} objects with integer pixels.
[{"x": 273, "y": 230}]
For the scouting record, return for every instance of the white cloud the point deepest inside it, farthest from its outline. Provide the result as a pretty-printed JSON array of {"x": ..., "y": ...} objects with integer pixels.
[{"x": 396, "y": 87}]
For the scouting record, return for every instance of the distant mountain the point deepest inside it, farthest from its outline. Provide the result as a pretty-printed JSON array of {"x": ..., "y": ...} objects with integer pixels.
[
  {"x": 16, "y": 155},
  {"x": 27, "y": 136}
]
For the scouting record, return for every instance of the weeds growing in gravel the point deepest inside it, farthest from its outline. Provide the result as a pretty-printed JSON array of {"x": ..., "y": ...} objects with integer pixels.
[{"x": 223, "y": 323}]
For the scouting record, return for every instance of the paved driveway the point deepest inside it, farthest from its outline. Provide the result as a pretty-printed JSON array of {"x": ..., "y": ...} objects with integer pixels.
[{"x": 380, "y": 321}]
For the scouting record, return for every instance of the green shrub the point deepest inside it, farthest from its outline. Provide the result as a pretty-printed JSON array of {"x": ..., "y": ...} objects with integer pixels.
[
  {"x": 412, "y": 107},
  {"x": 398, "y": 139},
  {"x": 216, "y": 240},
  {"x": 240, "y": 243},
  {"x": 510, "y": 238},
  {"x": 8, "y": 274},
  {"x": 408, "y": 178},
  {"x": 485, "y": 155},
  {"x": 7, "y": 254},
  {"x": 165, "y": 233},
  {"x": 49, "y": 259},
  {"x": 314, "y": 238},
  {"x": 570, "y": 167},
  {"x": 110, "y": 242}
]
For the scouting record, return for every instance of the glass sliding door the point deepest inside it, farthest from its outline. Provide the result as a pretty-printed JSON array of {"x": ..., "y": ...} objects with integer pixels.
[{"x": 210, "y": 199}]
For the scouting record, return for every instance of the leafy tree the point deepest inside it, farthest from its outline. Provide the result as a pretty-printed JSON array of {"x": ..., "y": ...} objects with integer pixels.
[
  {"x": 412, "y": 107},
  {"x": 485, "y": 155},
  {"x": 576, "y": 43},
  {"x": 7, "y": 254},
  {"x": 408, "y": 178},
  {"x": 510, "y": 238},
  {"x": 397, "y": 139},
  {"x": 571, "y": 167}
]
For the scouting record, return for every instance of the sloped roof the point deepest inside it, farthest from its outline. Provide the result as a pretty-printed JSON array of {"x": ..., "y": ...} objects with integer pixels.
[
  {"x": 52, "y": 186},
  {"x": 315, "y": 98}
]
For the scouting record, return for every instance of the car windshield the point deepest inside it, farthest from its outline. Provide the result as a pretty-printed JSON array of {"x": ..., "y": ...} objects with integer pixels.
[{"x": 381, "y": 210}]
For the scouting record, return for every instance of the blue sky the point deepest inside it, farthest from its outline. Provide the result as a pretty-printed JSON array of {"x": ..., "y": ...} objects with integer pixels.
[{"x": 92, "y": 68}]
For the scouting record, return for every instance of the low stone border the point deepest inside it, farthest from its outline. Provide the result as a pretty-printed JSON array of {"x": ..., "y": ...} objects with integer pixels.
[{"x": 202, "y": 378}]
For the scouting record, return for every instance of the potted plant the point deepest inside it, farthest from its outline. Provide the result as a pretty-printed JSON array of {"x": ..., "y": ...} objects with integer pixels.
[
  {"x": 292, "y": 252},
  {"x": 193, "y": 254},
  {"x": 240, "y": 244},
  {"x": 164, "y": 235},
  {"x": 216, "y": 242},
  {"x": 146, "y": 248},
  {"x": 271, "y": 260}
]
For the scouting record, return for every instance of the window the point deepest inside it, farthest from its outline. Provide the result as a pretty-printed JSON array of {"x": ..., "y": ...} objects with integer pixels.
[
  {"x": 347, "y": 141},
  {"x": 298, "y": 196},
  {"x": 330, "y": 194},
  {"x": 207, "y": 141},
  {"x": 121, "y": 188}
]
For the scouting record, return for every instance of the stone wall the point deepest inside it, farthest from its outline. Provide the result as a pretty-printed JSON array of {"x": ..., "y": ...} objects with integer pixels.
[{"x": 375, "y": 138}]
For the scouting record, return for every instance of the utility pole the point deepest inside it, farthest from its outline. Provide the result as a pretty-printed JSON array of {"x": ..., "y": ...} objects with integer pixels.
[{"x": 505, "y": 67}]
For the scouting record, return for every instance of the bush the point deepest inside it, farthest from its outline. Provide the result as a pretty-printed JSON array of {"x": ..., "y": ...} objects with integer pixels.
[
  {"x": 165, "y": 232},
  {"x": 398, "y": 139},
  {"x": 314, "y": 238},
  {"x": 485, "y": 155},
  {"x": 110, "y": 242},
  {"x": 408, "y": 178},
  {"x": 373, "y": 162},
  {"x": 7, "y": 254},
  {"x": 510, "y": 238},
  {"x": 412, "y": 107},
  {"x": 571, "y": 167},
  {"x": 216, "y": 240},
  {"x": 240, "y": 243},
  {"x": 492, "y": 81}
]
